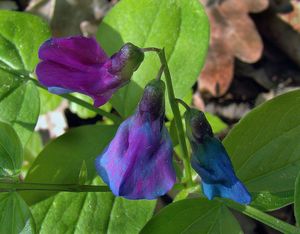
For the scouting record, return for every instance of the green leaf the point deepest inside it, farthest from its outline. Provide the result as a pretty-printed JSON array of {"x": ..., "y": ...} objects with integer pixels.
[
  {"x": 82, "y": 178},
  {"x": 91, "y": 213},
  {"x": 193, "y": 216},
  {"x": 19, "y": 105},
  {"x": 61, "y": 160},
  {"x": 180, "y": 26},
  {"x": 215, "y": 122},
  {"x": 297, "y": 200},
  {"x": 60, "y": 163},
  {"x": 49, "y": 101},
  {"x": 19, "y": 100},
  {"x": 83, "y": 112},
  {"x": 33, "y": 147},
  {"x": 15, "y": 215},
  {"x": 11, "y": 151},
  {"x": 130, "y": 216},
  {"x": 265, "y": 150}
]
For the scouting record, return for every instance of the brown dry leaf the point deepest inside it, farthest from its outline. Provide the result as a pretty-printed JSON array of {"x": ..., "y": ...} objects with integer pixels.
[
  {"x": 217, "y": 74},
  {"x": 293, "y": 18},
  {"x": 218, "y": 70},
  {"x": 233, "y": 33}
]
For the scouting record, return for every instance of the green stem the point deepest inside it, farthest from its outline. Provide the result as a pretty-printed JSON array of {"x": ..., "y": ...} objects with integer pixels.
[
  {"x": 8, "y": 187},
  {"x": 258, "y": 215},
  {"x": 177, "y": 116},
  {"x": 85, "y": 104}
]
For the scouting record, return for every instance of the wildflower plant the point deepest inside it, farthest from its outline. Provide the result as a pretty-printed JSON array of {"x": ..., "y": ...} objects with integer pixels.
[{"x": 108, "y": 177}]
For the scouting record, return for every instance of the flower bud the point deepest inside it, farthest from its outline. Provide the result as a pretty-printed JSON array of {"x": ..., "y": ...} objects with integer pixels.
[
  {"x": 126, "y": 61},
  {"x": 211, "y": 161},
  {"x": 153, "y": 100}
]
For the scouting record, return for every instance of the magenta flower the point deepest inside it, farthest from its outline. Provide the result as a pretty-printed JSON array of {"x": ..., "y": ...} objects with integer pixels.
[
  {"x": 78, "y": 64},
  {"x": 137, "y": 164}
]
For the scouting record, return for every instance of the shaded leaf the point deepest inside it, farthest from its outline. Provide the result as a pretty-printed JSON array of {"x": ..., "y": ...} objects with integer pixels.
[
  {"x": 15, "y": 215},
  {"x": 265, "y": 150},
  {"x": 19, "y": 100},
  {"x": 91, "y": 213},
  {"x": 297, "y": 200},
  {"x": 11, "y": 151},
  {"x": 60, "y": 163},
  {"x": 61, "y": 160},
  {"x": 33, "y": 147},
  {"x": 193, "y": 216}
]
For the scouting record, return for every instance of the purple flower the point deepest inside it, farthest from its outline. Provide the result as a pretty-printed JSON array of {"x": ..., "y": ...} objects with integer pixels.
[
  {"x": 137, "y": 164},
  {"x": 211, "y": 161},
  {"x": 78, "y": 64}
]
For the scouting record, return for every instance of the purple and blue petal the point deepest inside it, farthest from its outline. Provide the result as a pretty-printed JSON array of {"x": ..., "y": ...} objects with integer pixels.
[
  {"x": 137, "y": 164},
  {"x": 79, "y": 64},
  {"x": 210, "y": 160}
]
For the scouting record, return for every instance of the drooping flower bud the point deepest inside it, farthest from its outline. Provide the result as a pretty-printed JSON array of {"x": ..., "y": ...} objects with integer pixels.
[
  {"x": 137, "y": 164},
  {"x": 211, "y": 161},
  {"x": 78, "y": 64}
]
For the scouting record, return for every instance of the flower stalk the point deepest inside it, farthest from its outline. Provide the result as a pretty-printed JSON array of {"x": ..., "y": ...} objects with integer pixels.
[
  {"x": 260, "y": 216},
  {"x": 116, "y": 119},
  {"x": 20, "y": 186},
  {"x": 177, "y": 117}
]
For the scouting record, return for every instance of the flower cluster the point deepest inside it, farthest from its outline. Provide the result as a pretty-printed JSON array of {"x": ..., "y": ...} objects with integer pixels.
[{"x": 137, "y": 164}]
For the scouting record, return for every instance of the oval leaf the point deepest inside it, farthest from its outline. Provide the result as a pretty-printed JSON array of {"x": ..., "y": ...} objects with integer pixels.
[
  {"x": 265, "y": 151},
  {"x": 180, "y": 26},
  {"x": 11, "y": 151},
  {"x": 91, "y": 213},
  {"x": 15, "y": 215},
  {"x": 19, "y": 100},
  {"x": 193, "y": 216},
  {"x": 297, "y": 200}
]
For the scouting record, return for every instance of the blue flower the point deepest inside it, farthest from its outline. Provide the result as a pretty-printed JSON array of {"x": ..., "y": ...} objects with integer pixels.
[
  {"x": 137, "y": 164},
  {"x": 211, "y": 161}
]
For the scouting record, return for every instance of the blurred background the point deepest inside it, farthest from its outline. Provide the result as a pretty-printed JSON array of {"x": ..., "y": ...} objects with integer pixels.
[{"x": 254, "y": 55}]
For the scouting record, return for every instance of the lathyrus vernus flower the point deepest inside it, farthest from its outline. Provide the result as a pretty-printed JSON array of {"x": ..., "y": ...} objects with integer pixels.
[
  {"x": 137, "y": 164},
  {"x": 79, "y": 64},
  {"x": 211, "y": 161}
]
